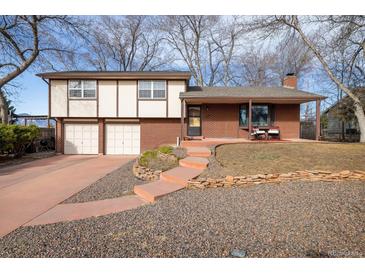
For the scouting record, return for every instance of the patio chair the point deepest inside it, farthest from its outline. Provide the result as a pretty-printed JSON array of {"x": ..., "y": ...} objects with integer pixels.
[
  {"x": 273, "y": 132},
  {"x": 258, "y": 133}
]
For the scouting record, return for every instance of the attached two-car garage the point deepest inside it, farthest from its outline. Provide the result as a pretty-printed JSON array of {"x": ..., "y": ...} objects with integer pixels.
[{"x": 119, "y": 139}]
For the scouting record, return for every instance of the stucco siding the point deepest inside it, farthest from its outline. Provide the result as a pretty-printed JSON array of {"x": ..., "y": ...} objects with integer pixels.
[
  {"x": 152, "y": 109},
  {"x": 82, "y": 108},
  {"x": 107, "y": 98},
  {"x": 58, "y": 98},
  {"x": 127, "y": 99},
  {"x": 174, "y": 103}
]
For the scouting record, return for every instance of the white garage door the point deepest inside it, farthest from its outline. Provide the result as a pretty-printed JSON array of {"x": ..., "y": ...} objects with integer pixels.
[
  {"x": 122, "y": 139},
  {"x": 81, "y": 139}
]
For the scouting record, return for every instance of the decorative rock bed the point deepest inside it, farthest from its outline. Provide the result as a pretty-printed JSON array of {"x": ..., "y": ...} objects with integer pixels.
[
  {"x": 145, "y": 173},
  {"x": 306, "y": 175}
]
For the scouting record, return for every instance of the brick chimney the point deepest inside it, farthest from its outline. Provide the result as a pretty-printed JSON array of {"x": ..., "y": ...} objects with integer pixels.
[{"x": 290, "y": 81}]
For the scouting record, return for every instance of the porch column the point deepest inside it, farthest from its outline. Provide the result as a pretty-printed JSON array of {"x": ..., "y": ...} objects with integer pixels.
[
  {"x": 182, "y": 121},
  {"x": 318, "y": 119},
  {"x": 249, "y": 118}
]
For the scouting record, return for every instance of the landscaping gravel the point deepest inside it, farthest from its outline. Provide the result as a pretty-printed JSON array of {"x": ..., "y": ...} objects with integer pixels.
[
  {"x": 117, "y": 183},
  {"x": 299, "y": 219}
]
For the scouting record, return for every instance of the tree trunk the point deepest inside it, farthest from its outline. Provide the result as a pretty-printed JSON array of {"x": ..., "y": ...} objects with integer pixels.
[
  {"x": 359, "y": 112},
  {"x": 3, "y": 109}
]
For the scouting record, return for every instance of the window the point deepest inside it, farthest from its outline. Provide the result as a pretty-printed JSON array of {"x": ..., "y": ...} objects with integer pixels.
[
  {"x": 262, "y": 115},
  {"x": 151, "y": 89},
  {"x": 243, "y": 116},
  {"x": 82, "y": 89}
]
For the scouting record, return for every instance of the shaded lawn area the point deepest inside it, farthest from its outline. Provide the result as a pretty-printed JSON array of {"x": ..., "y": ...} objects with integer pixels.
[{"x": 244, "y": 159}]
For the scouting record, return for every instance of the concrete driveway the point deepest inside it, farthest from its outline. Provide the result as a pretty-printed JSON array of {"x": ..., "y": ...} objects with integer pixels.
[{"x": 31, "y": 189}]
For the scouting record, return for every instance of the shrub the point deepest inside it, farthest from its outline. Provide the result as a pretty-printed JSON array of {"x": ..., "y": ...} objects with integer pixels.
[
  {"x": 15, "y": 139},
  {"x": 165, "y": 149},
  {"x": 146, "y": 157},
  {"x": 179, "y": 152},
  {"x": 161, "y": 158}
]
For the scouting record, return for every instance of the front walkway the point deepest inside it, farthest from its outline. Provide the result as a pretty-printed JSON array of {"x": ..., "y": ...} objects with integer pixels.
[{"x": 29, "y": 190}]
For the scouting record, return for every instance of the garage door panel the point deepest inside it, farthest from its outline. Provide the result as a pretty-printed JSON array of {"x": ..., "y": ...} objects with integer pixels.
[
  {"x": 81, "y": 139},
  {"x": 122, "y": 139}
]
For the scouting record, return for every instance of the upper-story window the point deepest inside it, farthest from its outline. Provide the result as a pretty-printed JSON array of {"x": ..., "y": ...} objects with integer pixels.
[
  {"x": 82, "y": 89},
  {"x": 152, "y": 89}
]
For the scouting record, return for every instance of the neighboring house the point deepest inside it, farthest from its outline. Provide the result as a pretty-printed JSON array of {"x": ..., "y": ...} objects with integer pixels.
[
  {"x": 341, "y": 122},
  {"x": 128, "y": 112}
]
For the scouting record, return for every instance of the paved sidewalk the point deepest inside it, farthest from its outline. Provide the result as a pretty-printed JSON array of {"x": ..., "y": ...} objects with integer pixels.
[
  {"x": 29, "y": 190},
  {"x": 71, "y": 212}
]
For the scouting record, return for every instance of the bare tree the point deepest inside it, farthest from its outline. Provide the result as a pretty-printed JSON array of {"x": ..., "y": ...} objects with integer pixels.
[
  {"x": 23, "y": 39},
  {"x": 124, "y": 43},
  {"x": 333, "y": 33},
  {"x": 207, "y": 45},
  {"x": 256, "y": 68}
]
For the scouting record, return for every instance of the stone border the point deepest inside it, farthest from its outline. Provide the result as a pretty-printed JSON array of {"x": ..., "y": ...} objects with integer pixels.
[
  {"x": 305, "y": 175},
  {"x": 145, "y": 173}
]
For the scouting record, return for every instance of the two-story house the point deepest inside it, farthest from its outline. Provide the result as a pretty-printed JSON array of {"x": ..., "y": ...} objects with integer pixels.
[{"x": 128, "y": 112}]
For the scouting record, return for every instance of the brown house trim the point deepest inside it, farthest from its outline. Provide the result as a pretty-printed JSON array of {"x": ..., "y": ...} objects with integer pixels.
[
  {"x": 117, "y": 109},
  {"x": 62, "y": 137},
  {"x": 167, "y": 98},
  {"x": 97, "y": 98},
  {"x": 49, "y": 98},
  {"x": 68, "y": 99},
  {"x": 137, "y": 114},
  {"x": 150, "y": 75}
]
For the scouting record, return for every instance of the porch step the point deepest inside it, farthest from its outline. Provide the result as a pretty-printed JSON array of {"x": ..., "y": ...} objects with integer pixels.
[
  {"x": 194, "y": 162},
  {"x": 180, "y": 175},
  {"x": 155, "y": 190},
  {"x": 198, "y": 151}
]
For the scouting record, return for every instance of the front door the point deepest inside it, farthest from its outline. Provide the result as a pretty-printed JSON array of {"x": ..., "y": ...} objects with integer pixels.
[{"x": 194, "y": 121}]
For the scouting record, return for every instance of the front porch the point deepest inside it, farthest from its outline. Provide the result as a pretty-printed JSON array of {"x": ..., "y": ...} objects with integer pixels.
[
  {"x": 234, "y": 112},
  {"x": 237, "y": 120}
]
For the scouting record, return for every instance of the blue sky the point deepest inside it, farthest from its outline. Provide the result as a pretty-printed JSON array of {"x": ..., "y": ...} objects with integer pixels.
[{"x": 32, "y": 94}]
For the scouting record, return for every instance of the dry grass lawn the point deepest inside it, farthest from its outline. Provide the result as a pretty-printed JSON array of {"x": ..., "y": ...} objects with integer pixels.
[{"x": 242, "y": 159}]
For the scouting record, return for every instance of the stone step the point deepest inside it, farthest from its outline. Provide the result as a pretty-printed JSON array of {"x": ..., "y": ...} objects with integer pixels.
[
  {"x": 198, "y": 151},
  {"x": 194, "y": 162},
  {"x": 155, "y": 190},
  {"x": 180, "y": 175}
]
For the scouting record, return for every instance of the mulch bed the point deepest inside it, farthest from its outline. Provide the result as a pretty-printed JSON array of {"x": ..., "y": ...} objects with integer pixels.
[
  {"x": 321, "y": 219},
  {"x": 117, "y": 183}
]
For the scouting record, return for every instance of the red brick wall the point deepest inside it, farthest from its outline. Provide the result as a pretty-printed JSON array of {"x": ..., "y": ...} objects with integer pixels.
[
  {"x": 101, "y": 125},
  {"x": 59, "y": 135},
  {"x": 220, "y": 120},
  {"x": 159, "y": 131},
  {"x": 287, "y": 117}
]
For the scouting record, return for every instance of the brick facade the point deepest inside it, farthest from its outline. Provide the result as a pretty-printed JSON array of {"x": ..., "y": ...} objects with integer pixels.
[
  {"x": 218, "y": 121},
  {"x": 101, "y": 124},
  {"x": 222, "y": 120},
  {"x": 59, "y": 136},
  {"x": 159, "y": 131},
  {"x": 287, "y": 118}
]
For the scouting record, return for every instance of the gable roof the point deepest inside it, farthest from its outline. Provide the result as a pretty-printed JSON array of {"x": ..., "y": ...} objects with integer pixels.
[
  {"x": 346, "y": 99},
  {"x": 183, "y": 75},
  {"x": 248, "y": 93}
]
